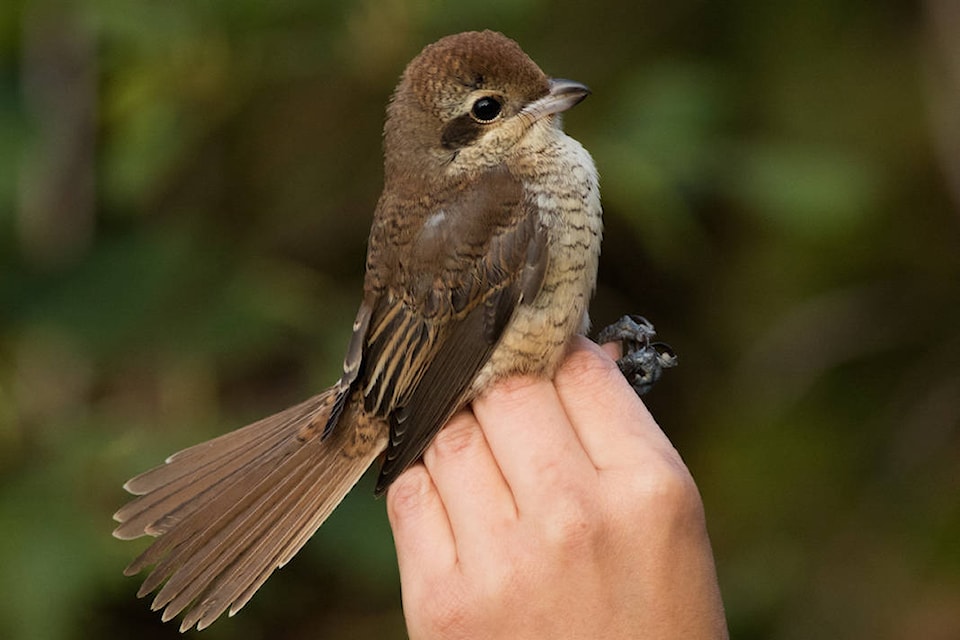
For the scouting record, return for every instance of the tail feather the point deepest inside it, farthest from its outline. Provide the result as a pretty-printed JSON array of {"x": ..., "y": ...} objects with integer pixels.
[
  {"x": 194, "y": 472},
  {"x": 230, "y": 511},
  {"x": 237, "y": 585},
  {"x": 223, "y": 542},
  {"x": 274, "y": 521}
]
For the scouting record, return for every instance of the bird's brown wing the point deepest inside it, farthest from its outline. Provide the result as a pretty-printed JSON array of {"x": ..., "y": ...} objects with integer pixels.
[{"x": 466, "y": 261}]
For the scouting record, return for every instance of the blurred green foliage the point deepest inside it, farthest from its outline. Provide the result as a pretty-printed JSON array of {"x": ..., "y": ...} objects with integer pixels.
[{"x": 185, "y": 191}]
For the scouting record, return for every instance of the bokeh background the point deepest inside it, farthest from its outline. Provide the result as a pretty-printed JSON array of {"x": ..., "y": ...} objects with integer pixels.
[{"x": 185, "y": 193}]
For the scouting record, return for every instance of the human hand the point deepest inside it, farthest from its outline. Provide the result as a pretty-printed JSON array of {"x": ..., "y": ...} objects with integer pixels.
[{"x": 555, "y": 510}]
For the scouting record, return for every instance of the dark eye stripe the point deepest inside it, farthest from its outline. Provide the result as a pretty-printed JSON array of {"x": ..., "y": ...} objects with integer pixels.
[{"x": 460, "y": 132}]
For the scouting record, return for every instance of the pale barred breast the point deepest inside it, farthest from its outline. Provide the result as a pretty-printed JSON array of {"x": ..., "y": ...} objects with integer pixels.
[{"x": 564, "y": 183}]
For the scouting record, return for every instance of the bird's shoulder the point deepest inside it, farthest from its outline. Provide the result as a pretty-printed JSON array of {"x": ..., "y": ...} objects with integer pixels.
[{"x": 449, "y": 237}]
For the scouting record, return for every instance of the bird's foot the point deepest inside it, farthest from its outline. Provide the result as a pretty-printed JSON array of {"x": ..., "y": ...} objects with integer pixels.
[{"x": 643, "y": 361}]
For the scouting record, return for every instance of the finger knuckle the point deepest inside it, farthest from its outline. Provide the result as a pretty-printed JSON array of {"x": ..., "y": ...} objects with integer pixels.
[
  {"x": 407, "y": 493},
  {"x": 574, "y": 525},
  {"x": 666, "y": 489},
  {"x": 459, "y": 436},
  {"x": 588, "y": 369}
]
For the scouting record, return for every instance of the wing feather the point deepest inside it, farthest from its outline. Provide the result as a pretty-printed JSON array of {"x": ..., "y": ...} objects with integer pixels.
[{"x": 438, "y": 320}]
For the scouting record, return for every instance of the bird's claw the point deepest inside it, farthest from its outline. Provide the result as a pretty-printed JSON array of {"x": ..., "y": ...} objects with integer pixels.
[{"x": 643, "y": 361}]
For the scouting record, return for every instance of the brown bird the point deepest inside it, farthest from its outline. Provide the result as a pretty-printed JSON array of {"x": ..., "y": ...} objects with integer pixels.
[{"x": 482, "y": 258}]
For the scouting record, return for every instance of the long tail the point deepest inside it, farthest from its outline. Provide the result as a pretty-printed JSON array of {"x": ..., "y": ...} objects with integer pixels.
[{"x": 231, "y": 510}]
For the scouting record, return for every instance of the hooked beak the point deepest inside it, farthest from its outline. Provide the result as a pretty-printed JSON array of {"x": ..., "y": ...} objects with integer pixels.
[{"x": 563, "y": 95}]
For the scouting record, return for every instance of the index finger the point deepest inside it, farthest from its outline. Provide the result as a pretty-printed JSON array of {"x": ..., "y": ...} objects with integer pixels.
[
  {"x": 610, "y": 419},
  {"x": 532, "y": 439}
]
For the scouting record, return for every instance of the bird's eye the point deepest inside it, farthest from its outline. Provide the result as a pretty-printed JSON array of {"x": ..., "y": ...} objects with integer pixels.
[{"x": 486, "y": 109}]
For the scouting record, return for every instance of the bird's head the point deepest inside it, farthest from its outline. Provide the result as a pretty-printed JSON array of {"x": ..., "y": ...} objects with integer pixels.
[{"x": 467, "y": 102}]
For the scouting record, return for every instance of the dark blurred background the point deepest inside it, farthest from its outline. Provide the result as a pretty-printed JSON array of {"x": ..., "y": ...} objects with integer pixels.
[{"x": 185, "y": 193}]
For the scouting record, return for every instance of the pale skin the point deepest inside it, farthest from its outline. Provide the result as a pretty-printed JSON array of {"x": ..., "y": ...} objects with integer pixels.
[{"x": 555, "y": 509}]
